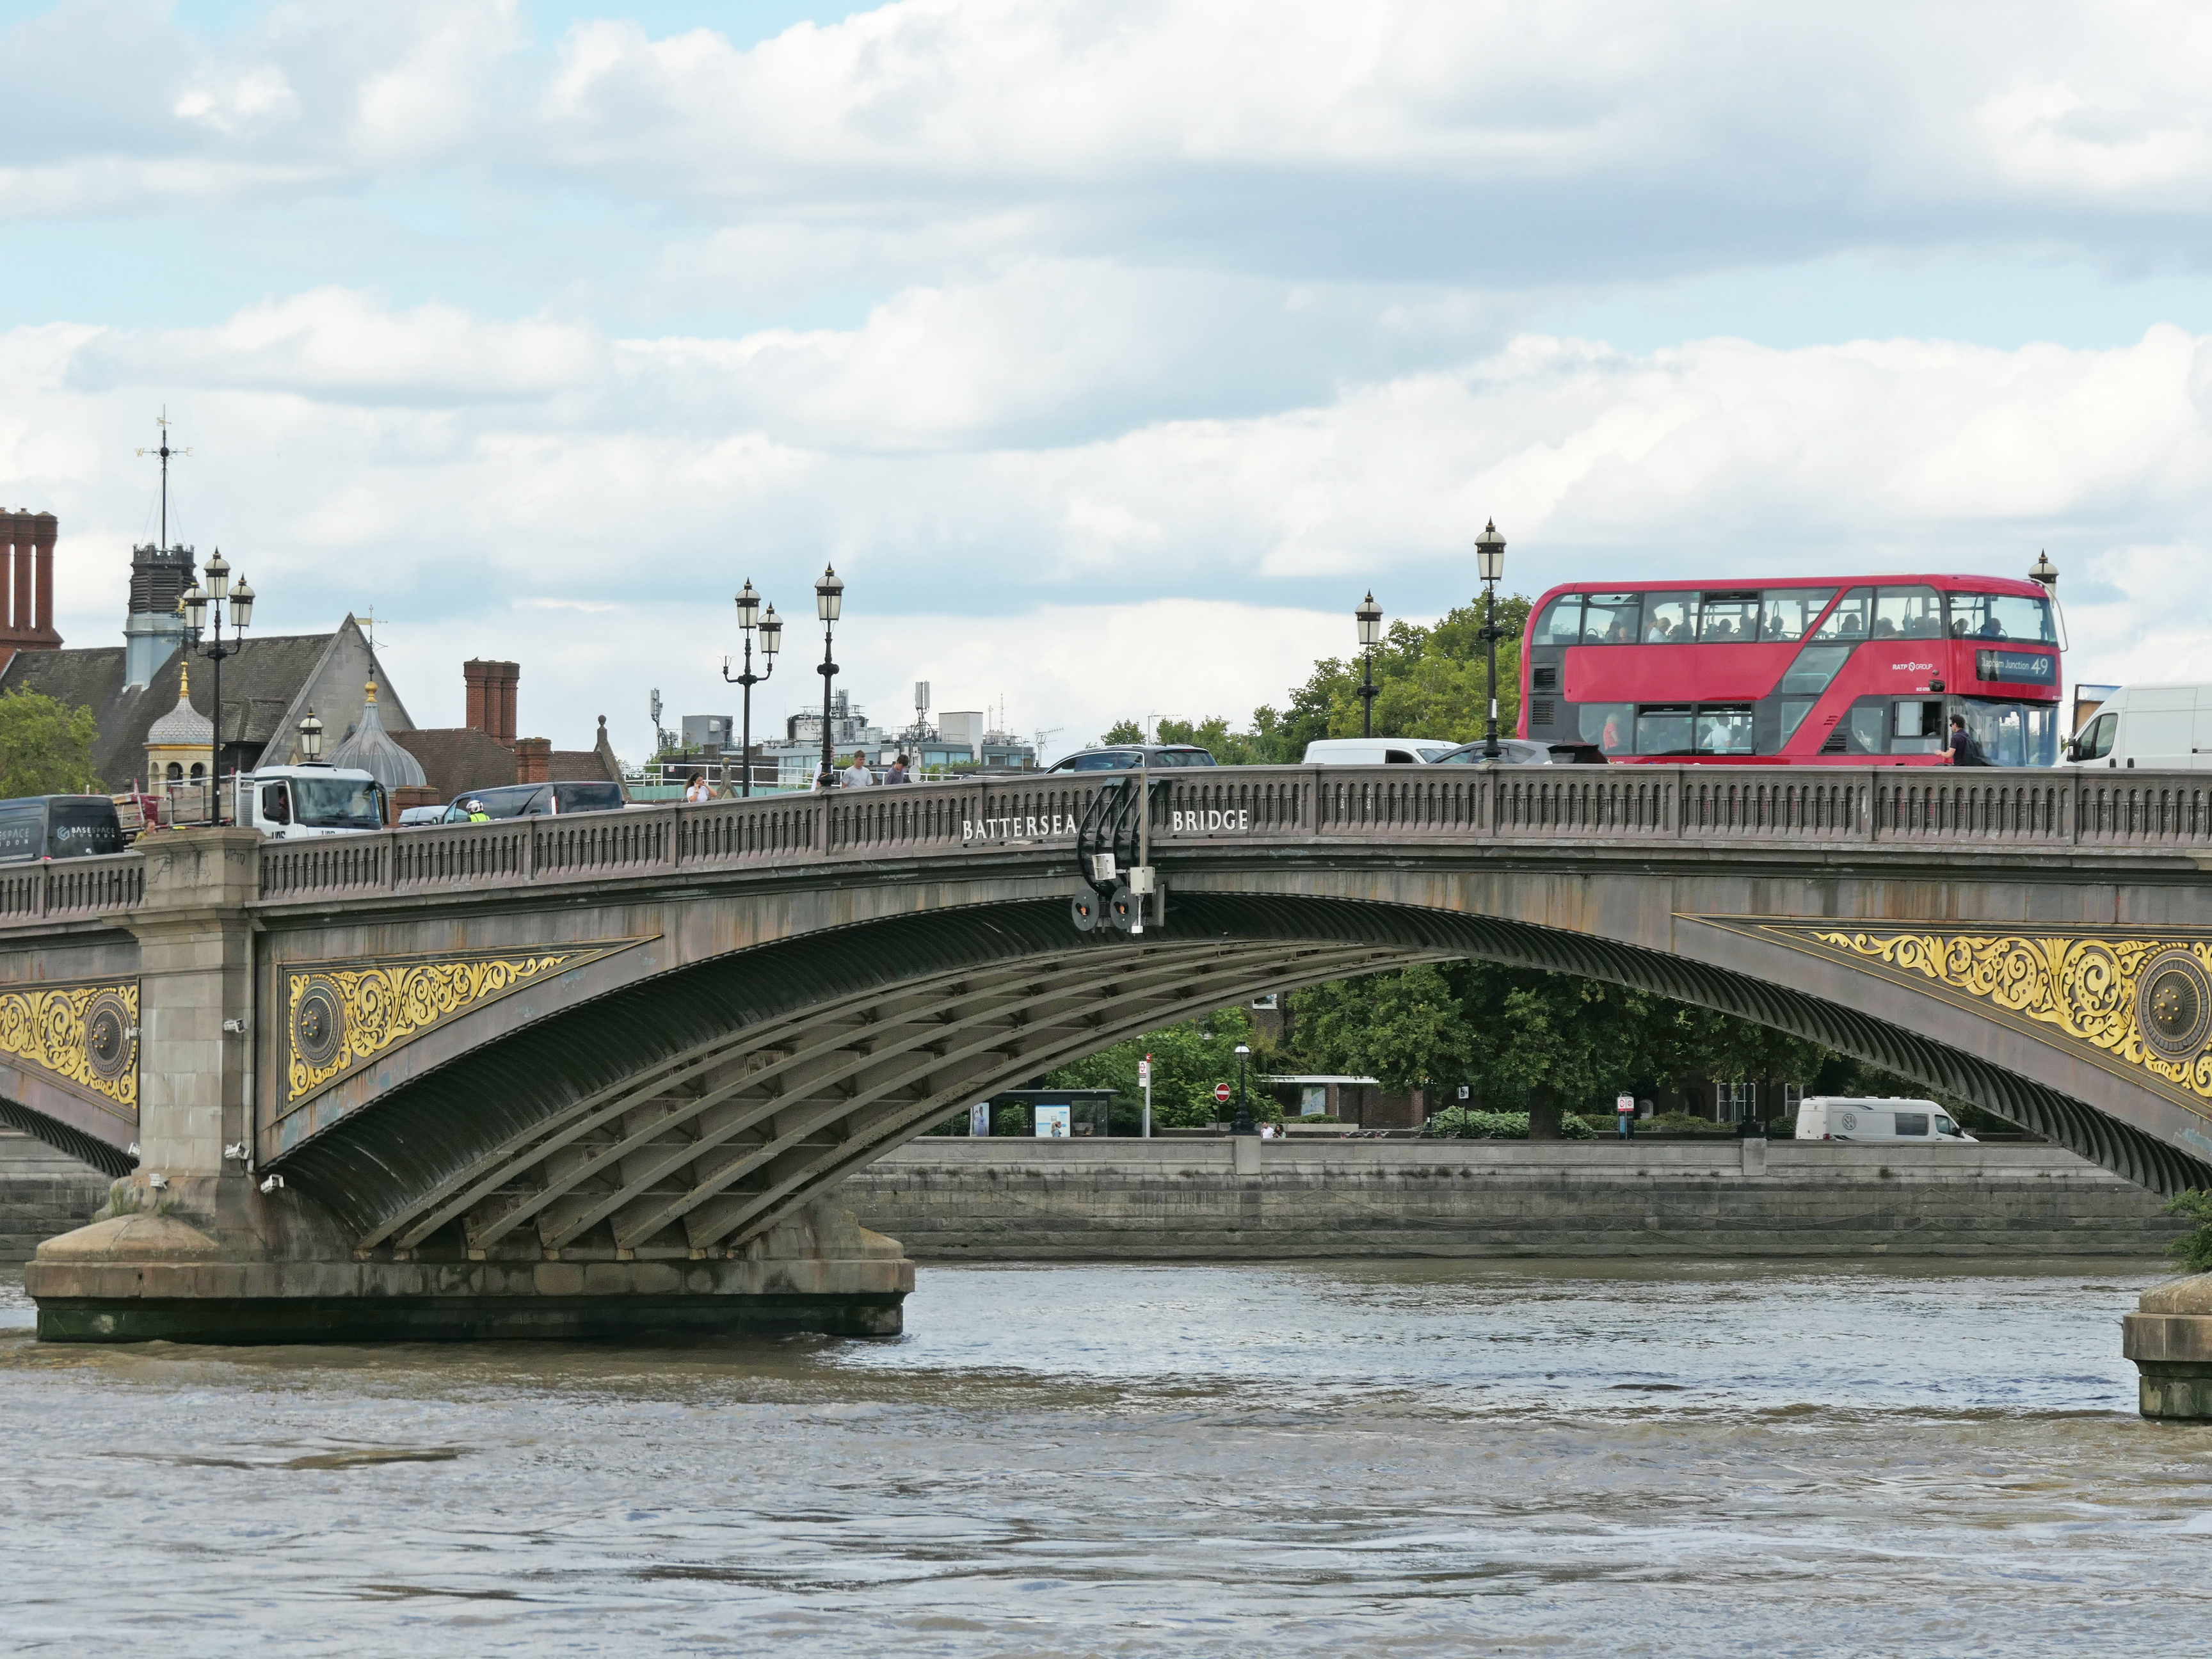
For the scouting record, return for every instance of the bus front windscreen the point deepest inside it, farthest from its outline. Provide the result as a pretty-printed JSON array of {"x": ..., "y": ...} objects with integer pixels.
[{"x": 338, "y": 803}]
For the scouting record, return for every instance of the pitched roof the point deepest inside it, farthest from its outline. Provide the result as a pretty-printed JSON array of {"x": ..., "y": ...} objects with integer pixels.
[
  {"x": 580, "y": 766},
  {"x": 261, "y": 686},
  {"x": 456, "y": 759}
]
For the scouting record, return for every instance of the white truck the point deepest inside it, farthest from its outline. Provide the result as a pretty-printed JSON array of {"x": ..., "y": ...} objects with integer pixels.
[
  {"x": 2164, "y": 728},
  {"x": 1848, "y": 1117},
  {"x": 293, "y": 803}
]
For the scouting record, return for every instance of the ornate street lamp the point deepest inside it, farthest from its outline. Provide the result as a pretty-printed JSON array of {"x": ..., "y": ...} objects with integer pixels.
[
  {"x": 311, "y": 740},
  {"x": 1369, "y": 616},
  {"x": 1243, "y": 1125},
  {"x": 2044, "y": 572},
  {"x": 771, "y": 632},
  {"x": 197, "y": 602},
  {"x": 1490, "y": 564},
  {"x": 828, "y": 601}
]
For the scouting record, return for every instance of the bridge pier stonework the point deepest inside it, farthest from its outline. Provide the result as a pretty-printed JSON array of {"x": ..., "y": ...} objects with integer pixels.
[
  {"x": 191, "y": 1249},
  {"x": 605, "y": 1071}
]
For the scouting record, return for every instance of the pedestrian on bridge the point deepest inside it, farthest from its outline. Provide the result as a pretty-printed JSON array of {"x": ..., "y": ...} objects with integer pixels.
[
  {"x": 857, "y": 775},
  {"x": 695, "y": 791},
  {"x": 1966, "y": 748},
  {"x": 898, "y": 772}
]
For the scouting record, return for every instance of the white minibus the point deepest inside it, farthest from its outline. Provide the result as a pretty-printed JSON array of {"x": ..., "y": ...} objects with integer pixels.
[{"x": 1847, "y": 1117}]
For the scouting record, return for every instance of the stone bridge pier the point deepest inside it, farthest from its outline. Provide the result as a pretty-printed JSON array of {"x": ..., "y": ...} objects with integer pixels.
[{"x": 200, "y": 1243}]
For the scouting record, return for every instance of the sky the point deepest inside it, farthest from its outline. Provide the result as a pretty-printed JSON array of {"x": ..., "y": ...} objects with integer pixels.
[{"x": 1111, "y": 348}]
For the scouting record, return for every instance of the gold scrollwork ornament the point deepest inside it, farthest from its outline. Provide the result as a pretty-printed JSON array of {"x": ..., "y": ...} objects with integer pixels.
[
  {"x": 2145, "y": 1002},
  {"x": 339, "y": 1017}
]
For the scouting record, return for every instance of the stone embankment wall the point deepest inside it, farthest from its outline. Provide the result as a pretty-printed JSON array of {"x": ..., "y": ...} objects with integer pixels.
[
  {"x": 42, "y": 1192},
  {"x": 1002, "y": 1200}
]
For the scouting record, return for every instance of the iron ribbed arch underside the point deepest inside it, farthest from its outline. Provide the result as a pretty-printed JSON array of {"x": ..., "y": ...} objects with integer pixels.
[{"x": 394, "y": 1162}]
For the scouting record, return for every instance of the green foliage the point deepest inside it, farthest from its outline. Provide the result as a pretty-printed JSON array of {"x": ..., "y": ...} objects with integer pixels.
[
  {"x": 1512, "y": 1032},
  {"x": 46, "y": 747},
  {"x": 1123, "y": 731},
  {"x": 1686, "y": 1123},
  {"x": 1187, "y": 1061},
  {"x": 1471, "y": 1123},
  {"x": 2192, "y": 1251}
]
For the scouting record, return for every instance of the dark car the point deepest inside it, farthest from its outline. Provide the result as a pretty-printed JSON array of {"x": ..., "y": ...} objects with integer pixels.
[
  {"x": 532, "y": 800},
  {"x": 58, "y": 827},
  {"x": 1526, "y": 751},
  {"x": 1124, "y": 757}
]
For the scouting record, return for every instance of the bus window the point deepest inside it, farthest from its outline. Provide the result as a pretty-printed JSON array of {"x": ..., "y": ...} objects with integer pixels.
[
  {"x": 1813, "y": 667},
  {"x": 1848, "y": 620},
  {"x": 1728, "y": 619},
  {"x": 1561, "y": 623},
  {"x": 1662, "y": 732},
  {"x": 1608, "y": 724},
  {"x": 1610, "y": 618},
  {"x": 1724, "y": 731},
  {"x": 1794, "y": 710},
  {"x": 1670, "y": 619},
  {"x": 1869, "y": 729},
  {"x": 1917, "y": 728},
  {"x": 1791, "y": 611},
  {"x": 2002, "y": 617},
  {"x": 1908, "y": 613}
]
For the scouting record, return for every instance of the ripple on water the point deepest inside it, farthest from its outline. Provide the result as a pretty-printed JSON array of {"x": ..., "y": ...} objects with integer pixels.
[{"x": 1343, "y": 1458}]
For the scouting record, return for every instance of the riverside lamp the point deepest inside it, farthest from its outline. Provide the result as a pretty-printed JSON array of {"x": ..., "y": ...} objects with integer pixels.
[
  {"x": 750, "y": 616},
  {"x": 311, "y": 740},
  {"x": 1490, "y": 564},
  {"x": 2044, "y": 572},
  {"x": 828, "y": 602},
  {"x": 1369, "y": 616},
  {"x": 217, "y": 595},
  {"x": 1243, "y": 1125}
]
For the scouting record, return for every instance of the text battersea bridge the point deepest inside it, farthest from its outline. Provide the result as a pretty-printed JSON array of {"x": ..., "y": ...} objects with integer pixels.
[{"x": 601, "y": 1072}]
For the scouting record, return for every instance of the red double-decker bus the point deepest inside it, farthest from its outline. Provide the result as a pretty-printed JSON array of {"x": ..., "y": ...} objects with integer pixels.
[{"x": 1840, "y": 671}]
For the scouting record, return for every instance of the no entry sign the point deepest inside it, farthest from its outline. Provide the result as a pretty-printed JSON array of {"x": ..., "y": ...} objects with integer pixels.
[{"x": 1221, "y": 1093}]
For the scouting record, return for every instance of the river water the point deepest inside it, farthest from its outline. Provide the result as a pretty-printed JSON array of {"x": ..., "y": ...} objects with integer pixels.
[{"x": 1401, "y": 1458}]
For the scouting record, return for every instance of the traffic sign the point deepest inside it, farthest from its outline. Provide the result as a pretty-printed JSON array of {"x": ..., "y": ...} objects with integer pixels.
[
  {"x": 1221, "y": 1093},
  {"x": 1145, "y": 1072}
]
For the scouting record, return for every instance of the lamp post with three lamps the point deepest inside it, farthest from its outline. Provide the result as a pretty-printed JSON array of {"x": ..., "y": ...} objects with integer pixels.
[
  {"x": 1490, "y": 563},
  {"x": 1369, "y": 616},
  {"x": 828, "y": 602},
  {"x": 218, "y": 592},
  {"x": 751, "y": 617}
]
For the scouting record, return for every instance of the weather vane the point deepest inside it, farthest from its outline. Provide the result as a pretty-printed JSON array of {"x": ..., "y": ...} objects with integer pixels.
[{"x": 164, "y": 451}]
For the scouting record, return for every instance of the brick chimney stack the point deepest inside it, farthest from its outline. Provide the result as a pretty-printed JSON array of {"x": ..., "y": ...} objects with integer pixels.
[
  {"x": 491, "y": 697},
  {"x": 533, "y": 760},
  {"x": 27, "y": 583}
]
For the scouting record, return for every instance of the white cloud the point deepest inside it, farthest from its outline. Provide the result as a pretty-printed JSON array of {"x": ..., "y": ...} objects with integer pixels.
[{"x": 485, "y": 482}]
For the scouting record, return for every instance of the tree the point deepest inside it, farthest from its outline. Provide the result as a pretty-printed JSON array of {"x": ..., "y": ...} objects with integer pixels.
[
  {"x": 46, "y": 747},
  {"x": 1124, "y": 731}
]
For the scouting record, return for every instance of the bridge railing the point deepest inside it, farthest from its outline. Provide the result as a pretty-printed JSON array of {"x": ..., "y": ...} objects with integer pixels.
[
  {"x": 71, "y": 889},
  {"x": 1641, "y": 805}
]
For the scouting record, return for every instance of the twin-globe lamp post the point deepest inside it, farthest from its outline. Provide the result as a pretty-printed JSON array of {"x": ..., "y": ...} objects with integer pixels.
[
  {"x": 218, "y": 592},
  {"x": 750, "y": 616}
]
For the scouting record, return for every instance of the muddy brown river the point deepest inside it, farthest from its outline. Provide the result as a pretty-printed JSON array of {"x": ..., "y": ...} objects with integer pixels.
[{"x": 1397, "y": 1458}]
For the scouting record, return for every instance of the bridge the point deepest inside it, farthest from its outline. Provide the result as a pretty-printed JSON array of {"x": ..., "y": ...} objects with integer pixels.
[{"x": 604, "y": 1073}]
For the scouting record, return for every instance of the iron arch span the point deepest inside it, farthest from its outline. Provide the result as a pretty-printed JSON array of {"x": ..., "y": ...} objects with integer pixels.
[{"x": 696, "y": 1111}]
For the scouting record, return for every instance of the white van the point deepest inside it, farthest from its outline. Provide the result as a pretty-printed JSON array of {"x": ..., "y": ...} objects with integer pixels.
[
  {"x": 1846, "y": 1117},
  {"x": 1376, "y": 751},
  {"x": 2166, "y": 728}
]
